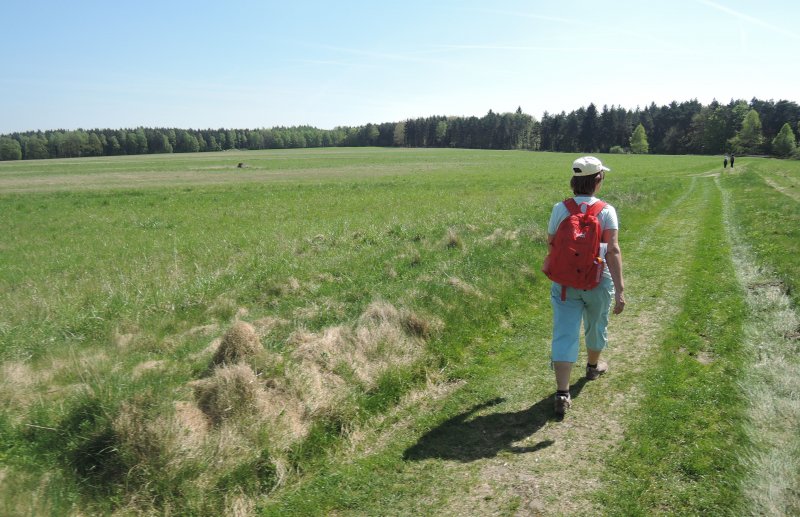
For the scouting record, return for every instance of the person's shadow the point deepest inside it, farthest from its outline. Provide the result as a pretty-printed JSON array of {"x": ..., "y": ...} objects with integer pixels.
[{"x": 463, "y": 439}]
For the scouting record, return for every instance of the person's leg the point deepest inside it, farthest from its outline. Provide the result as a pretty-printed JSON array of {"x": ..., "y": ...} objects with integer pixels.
[
  {"x": 567, "y": 316},
  {"x": 595, "y": 322},
  {"x": 592, "y": 356},
  {"x": 563, "y": 370}
]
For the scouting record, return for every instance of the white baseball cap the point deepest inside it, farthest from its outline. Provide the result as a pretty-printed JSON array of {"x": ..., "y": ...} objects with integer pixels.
[{"x": 588, "y": 165}]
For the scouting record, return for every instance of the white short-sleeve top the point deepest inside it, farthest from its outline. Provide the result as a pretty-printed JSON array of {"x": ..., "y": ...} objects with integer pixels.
[{"x": 607, "y": 216}]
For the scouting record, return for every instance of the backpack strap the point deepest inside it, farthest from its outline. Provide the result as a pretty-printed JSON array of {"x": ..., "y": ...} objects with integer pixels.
[
  {"x": 593, "y": 209},
  {"x": 572, "y": 206},
  {"x": 596, "y": 208}
]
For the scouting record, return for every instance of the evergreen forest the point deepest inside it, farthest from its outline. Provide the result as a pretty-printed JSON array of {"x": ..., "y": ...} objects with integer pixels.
[{"x": 757, "y": 128}]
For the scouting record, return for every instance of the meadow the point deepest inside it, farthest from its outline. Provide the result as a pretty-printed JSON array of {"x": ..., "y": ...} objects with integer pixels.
[{"x": 365, "y": 331}]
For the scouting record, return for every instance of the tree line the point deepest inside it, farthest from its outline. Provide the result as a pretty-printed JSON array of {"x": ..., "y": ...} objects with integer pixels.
[{"x": 755, "y": 127}]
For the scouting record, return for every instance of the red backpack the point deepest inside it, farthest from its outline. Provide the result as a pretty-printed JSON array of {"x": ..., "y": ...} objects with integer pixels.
[{"x": 574, "y": 257}]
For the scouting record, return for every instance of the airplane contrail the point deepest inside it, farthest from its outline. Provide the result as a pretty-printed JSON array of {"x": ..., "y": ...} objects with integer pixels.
[{"x": 748, "y": 18}]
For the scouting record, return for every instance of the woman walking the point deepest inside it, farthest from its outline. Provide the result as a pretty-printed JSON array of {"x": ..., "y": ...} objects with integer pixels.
[{"x": 573, "y": 305}]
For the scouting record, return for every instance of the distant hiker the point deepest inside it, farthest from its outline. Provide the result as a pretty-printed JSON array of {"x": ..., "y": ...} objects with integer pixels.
[
  {"x": 732, "y": 158},
  {"x": 725, "y": 162},
  {"x": 575, "y": 219},
  {"x": 240, "y": 166}
]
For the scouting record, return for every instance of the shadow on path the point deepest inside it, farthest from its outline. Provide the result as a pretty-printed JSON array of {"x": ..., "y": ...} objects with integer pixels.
[{"x": 463, "y": 439}]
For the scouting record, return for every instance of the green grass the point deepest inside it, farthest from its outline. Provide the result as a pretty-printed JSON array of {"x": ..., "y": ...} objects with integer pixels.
[
  {"x": 107, "y": 264},
  {"x": 83, "y": 266},
  {"x": 767, "y": 218},
  {"x": 413, "y": 474},
  {"x": 680, "y": 455},
  {"x": 765, "y": 260}
]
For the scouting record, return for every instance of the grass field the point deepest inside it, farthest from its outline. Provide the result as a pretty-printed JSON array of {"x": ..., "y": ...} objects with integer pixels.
[{"x": 365, "y": 332}]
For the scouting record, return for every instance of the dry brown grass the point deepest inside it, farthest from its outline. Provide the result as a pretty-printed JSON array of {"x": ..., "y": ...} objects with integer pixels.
[
  {"x": 417, "y": 326},
  {"x": 529, "y": 273},
  {"x": 499, "y": 235},
  {"x": 25, "y": 494},
  {"x": 771, "y": 384},
  {"x": 165, "y": 440},
  {"x": 232, "y": 391},
  {"x": 147, "y": 366},
  {"x": 311, "y": 375},
  {"x": 324, "y": 365},
  {"x": 410, "y": 256},
  {"x": 535, "y": 233},
  {"x": 203, "y": 330},
  {"x": 18, "y": 388},
  {"x": 238, "y": 504},
  {"x": 283, "y": 412},
  {"x": 234, "y": 406},
  {"x": 23, "y": 384},
  {"x": 124, "y": 340},
  {"x": 266, "y": 324},
  {"x": 320, "y": 306},
  {"x": 387, "y": 337},
  {"x": 141, "y": 437},
  {"x": 240, "y": 342},
  {"x": 326, "y": 278},
  {"x": 290, "y": 286},
  {"x": 453, "y": 240},
  {"x": 464, "y": 287},
  {"x": 414, "y": 257},
  {"x": 224, "y": 307},
  {"x": 16, "y": 375},
  {"x": 191, "y": 423}
]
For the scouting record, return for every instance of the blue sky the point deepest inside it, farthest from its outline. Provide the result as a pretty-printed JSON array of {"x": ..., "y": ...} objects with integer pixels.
[{"x": 249, "y": 64}]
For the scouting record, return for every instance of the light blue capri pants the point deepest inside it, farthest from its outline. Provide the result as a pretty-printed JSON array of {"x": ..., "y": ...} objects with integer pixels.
[{"x": 590, "y": 306}]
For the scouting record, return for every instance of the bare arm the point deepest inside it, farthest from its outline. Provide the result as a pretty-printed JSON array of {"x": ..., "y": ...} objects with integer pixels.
[{"x": 614, "y": 261}]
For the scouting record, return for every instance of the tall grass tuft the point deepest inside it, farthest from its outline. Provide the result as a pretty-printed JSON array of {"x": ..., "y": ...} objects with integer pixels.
[
  {"x": 453, "y": 239},
  {"x": 238, "y": 343},
  {"x": 232, "y": 391}
]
